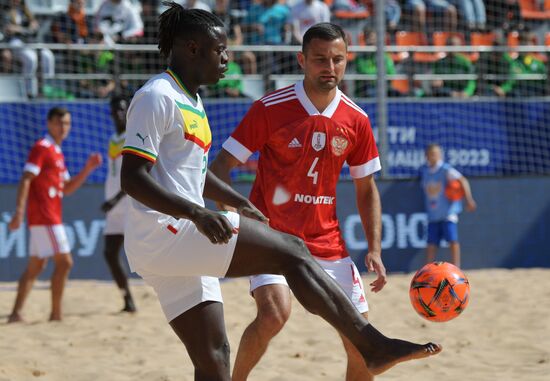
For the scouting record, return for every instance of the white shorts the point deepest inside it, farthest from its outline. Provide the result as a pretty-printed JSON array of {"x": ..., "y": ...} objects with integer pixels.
[
  {"x": 343, "y": 271},
  {"x": 47, "y": 240},
  {"x": 114, "y": 223},
  {"x": 184, "y": 269},
  {"x": 178, "y": 294},
  {"x": 115, "y": 219}
]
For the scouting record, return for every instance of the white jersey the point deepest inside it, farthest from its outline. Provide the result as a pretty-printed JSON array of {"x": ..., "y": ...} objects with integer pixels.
[
  {"x": 167, "y": 126},
  {"x": 114, "y": 222}
]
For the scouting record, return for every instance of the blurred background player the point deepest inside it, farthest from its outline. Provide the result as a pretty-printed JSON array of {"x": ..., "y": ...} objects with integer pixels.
[
  {"x": 44, "y": 182},
  {"x": 442, "y": 212},
  {"x": 116, "y": 202},
  {"x": 305, "y": 133}
]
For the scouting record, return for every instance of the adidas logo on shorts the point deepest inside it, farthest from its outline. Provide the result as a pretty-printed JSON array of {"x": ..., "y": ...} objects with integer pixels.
[{"x": 294, "y": 143}]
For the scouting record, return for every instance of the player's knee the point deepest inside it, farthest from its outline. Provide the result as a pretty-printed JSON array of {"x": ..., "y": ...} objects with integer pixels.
[
  {"x": 299, "y": 251},
  {"x": 273, "y": 320},
  {"x": 64, "y": 263},
  {"x": 35, "y": 269},
  {"x": 213, "y": 360}
]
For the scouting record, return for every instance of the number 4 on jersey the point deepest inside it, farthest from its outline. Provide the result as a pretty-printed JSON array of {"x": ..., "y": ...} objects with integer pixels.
[{"x": 312, "y": 173}]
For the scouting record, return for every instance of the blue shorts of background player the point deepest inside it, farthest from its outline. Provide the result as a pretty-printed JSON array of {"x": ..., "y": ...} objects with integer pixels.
[{"x": 447, "y": 230}]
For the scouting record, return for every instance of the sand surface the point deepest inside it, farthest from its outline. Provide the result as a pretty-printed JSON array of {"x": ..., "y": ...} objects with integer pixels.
[{"x": 503, "y": 335}]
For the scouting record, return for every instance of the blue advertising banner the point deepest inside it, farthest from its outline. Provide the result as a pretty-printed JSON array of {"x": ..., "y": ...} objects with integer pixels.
[
  {"x": 509, "y": 229},
  {"x": 480, "y": 138}
]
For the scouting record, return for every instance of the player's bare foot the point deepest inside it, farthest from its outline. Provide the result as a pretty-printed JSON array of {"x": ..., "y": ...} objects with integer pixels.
[
  {"x": 402, "y": 351},
  {"x": 129, "y": 305},
  {"x": 381, "y": 353},
  {"x": 15, "y": 318}
]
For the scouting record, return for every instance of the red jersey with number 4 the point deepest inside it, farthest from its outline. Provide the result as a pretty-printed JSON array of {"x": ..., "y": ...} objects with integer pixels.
[
  {"x": 47, "y": 163},
  {"x": 302, "y": 153}
]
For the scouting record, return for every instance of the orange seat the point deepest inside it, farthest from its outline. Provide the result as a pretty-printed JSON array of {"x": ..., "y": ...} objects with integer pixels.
[
  {"x": 401, "y": 85},
  {"x": 403, "y": 38},
  {"x": 530, "y": 11},
  {"x": 547, "y": 39},
  {"x": 440, "y": 39},
  {"x": 481, "y": 39}
]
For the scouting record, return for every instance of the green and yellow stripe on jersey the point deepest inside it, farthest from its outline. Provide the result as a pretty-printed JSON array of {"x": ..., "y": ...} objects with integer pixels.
[
  {"x": 139, "y": 152},
  {"x": 196, "y": 126},
  {"x": 115, "y": 148},
  {"x": 177, "y": 79}
]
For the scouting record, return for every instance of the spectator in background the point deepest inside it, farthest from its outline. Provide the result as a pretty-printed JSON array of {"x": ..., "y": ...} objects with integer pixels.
[
  {"x": 352, "y": 16},
  {"x": 19, "y": 26},
  {"x": 235, "y": 36},
  {"x": 149, "y": 15},
  {"x": 267, "y": 24},
  {"x": 118, "y": 21},
  {"x": 472, "y": 13},
  {"x": 304, "y": 14},
  {"x": 503, "y": 14},
  {"x": 366, "y": 64},
  {"x": 441, "y": 9},
  {"x": 442, "y": 212},
  {"x": 530, "y": 63},
  {"x": 73, "y": 27},
  {"x": 454, "y": 63},
  {"x": 499, "y": 64},
  {"x": 393, "y": 14}
]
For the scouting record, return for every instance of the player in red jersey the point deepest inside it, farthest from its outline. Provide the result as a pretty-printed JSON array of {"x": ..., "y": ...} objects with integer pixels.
[
  {"x": 44, "y": 182},
  {"x": 305, "y": 133}
]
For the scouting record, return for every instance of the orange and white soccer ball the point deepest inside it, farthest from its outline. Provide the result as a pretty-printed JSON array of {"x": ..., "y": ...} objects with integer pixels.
[{"x": 439, "y": 291}]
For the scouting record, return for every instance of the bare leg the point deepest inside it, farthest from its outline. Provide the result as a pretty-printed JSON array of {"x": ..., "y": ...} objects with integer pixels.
[
  {"x": 202, "y": 331},
  {"x": 455, "y": 253},
  {"x": 113, "y": 244},
  {"x": 34, "y": 268},
  {"x": 63, "y": 264},
  {"x": 273, "y": 304},
  {"x": 431, "y": 250},
  {"x": 356, "y": 369},
  {"x": 261, "y": 249},
  {"x": 419, "y": 19},
  {"x": 451, "y": 18}
]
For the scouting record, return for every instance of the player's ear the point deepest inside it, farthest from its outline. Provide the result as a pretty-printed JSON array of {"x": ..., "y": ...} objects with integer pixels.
[
  {"x": 301, "y": 59},
  {"x": 192, "y": 46}
]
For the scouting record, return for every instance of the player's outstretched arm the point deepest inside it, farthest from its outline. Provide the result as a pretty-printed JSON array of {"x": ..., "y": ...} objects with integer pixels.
[
  {"x": 75, "y": 182},
  {"x": 136, "y": 181}
]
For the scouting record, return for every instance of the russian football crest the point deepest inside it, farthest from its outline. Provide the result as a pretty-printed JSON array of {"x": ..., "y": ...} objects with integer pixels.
[
  {"x": 338, "y": 144},
  {"x": 318, "y": 140}
]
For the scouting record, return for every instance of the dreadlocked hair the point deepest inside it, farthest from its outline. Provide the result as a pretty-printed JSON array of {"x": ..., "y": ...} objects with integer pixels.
[{"x": 178, "y": 21}]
